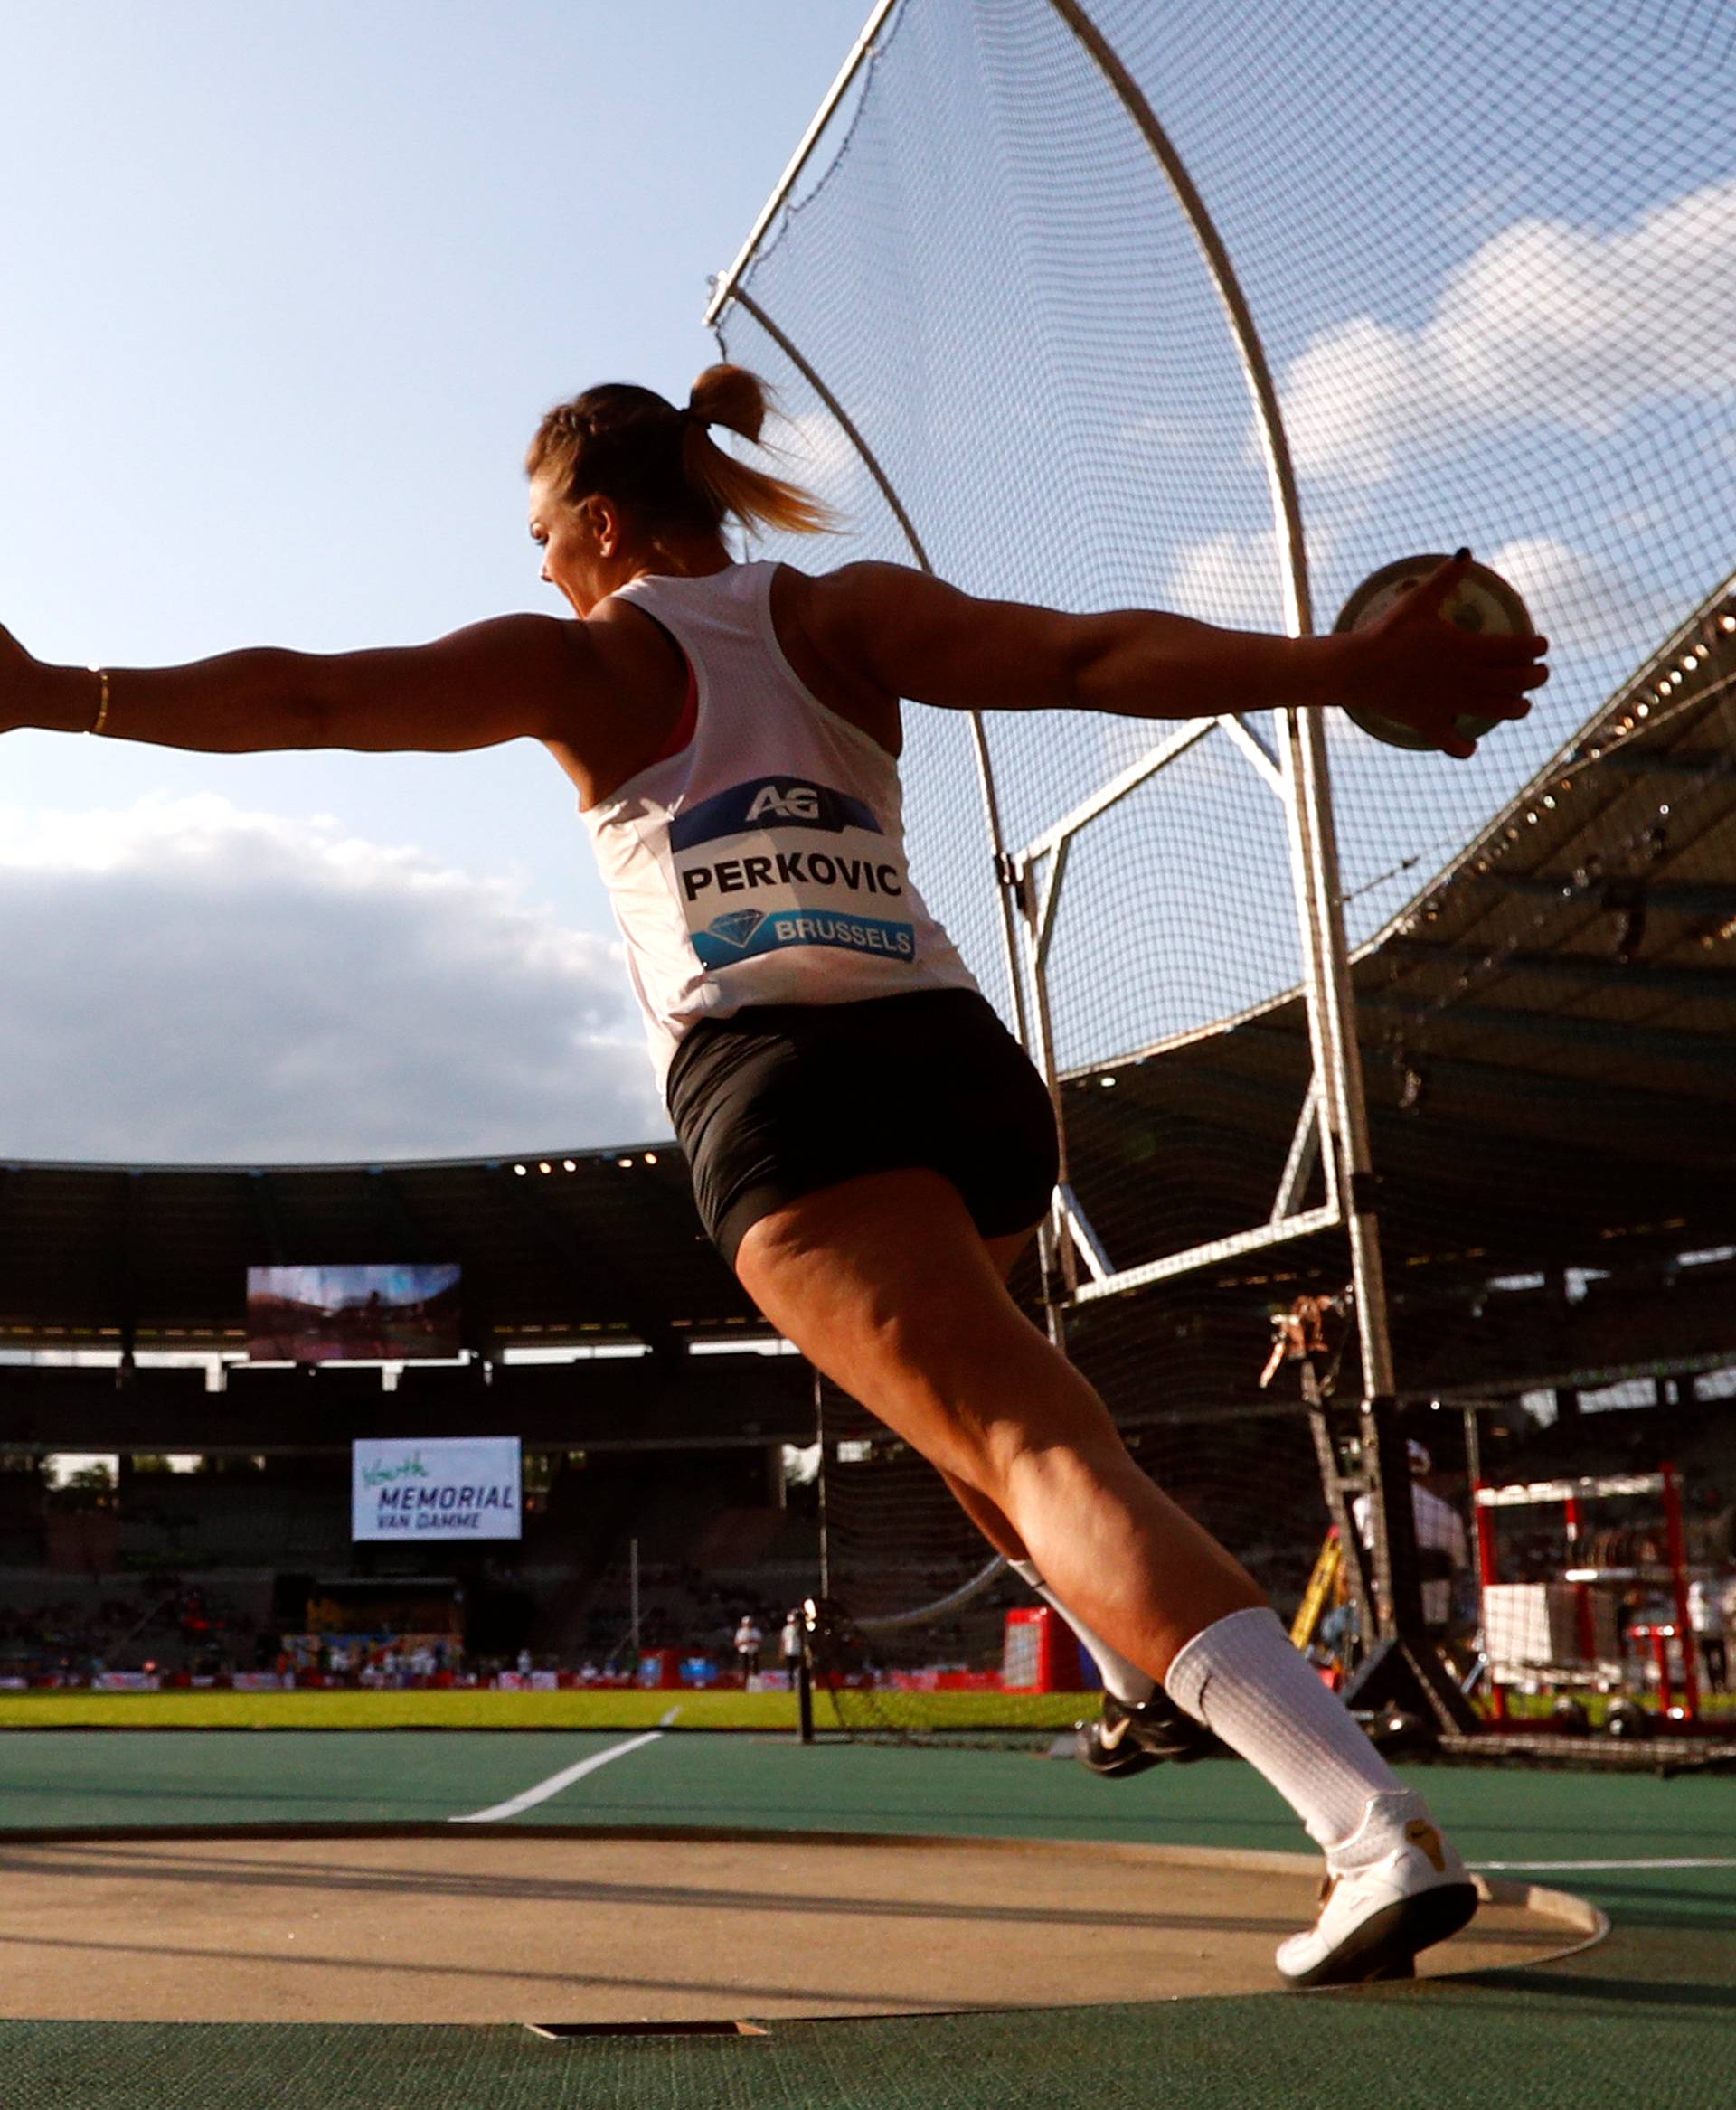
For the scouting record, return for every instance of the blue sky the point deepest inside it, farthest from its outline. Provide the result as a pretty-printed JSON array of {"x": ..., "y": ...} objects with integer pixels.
[{"x": 288, "y": 289}]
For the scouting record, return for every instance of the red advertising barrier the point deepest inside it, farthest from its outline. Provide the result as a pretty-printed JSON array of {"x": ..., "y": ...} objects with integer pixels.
[{"x": 1042, "y": 1652}]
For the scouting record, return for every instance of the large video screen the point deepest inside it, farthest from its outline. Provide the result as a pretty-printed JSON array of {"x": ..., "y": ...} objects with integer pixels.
[{"x": 362, "y": 1314}]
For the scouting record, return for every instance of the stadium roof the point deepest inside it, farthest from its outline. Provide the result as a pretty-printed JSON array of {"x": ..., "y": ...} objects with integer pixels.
[
  {"x": 1562, "y": 995},
  {"x": 569, "y": 1250}
]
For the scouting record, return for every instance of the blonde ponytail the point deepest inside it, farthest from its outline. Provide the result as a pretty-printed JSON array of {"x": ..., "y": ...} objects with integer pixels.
[
  {"x": 737, "y": 399},
  {"x": 662, "y": 463}
]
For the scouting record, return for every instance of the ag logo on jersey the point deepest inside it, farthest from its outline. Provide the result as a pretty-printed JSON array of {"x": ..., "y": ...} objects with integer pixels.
[
  {"x": 794, "y": 802},
  {"x": 767, "y": 802}
]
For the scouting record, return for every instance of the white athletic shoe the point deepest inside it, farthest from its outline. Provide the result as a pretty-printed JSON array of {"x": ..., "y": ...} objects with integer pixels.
[{"x": 1394, "y": 1886}]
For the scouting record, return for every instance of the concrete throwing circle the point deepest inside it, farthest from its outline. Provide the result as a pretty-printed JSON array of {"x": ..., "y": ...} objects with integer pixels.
[{"x": 514, "y": 1924}]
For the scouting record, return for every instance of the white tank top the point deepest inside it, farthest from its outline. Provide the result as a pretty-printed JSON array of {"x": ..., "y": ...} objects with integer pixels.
[{"x": 764, "y": 862}]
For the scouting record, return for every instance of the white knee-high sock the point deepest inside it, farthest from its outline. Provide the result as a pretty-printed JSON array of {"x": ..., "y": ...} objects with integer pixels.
[
  {"x": 1244, "y": 1680},
  {"x": 1127, "y": 1681}
]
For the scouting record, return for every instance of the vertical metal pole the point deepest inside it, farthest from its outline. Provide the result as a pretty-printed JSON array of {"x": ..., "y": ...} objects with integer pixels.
[
  {"x": 1336, "y": 1489},
  {"x": 1584, "y": 1634},
  {"x": 633, "y": 1584},
  {"x": 1344, "y": 1078},
  {"x": 1322, "y": 1051},
  {"x": 1677, "y": 1545},
  {"x": 1391, "y": 1508},
  {"x": 1059, "y": 1264},
  {"x": 819, "y": 1438},
  {"x": 803, "y": 1694},
  {"x": 1485, "y": 1576},
  {"x": 1473, "y": 1450}
]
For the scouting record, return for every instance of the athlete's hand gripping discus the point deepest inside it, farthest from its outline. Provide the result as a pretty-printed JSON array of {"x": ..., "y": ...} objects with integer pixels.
[{"x": 1411, "y": 687}]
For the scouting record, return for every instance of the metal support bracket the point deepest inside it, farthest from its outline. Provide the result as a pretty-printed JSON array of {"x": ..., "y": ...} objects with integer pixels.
[
  {"x": 1304, "y": 1155},
  {"x": 1266, "y": 762},
  {"x": 1079, "y": 1229}
]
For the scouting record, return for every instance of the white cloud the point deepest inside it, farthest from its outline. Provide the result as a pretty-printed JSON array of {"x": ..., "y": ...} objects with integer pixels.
[
  {"x": 1576, "y": 599},
  {"x": 189, "y": 982},
  {"x": 1232, "y": 581},
  {"x": 1581, "y": 600},
  {"x": 1546, "y": 322}
]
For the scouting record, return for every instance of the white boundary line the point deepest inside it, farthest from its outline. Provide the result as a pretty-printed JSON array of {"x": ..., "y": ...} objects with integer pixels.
[
  {"x": 1713, "y": 1862},
  {"x": 556, "y": 1782}
]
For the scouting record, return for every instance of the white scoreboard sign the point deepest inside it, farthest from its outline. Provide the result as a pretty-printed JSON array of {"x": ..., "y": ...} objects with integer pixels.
[{"x": 457, "y": 1487}]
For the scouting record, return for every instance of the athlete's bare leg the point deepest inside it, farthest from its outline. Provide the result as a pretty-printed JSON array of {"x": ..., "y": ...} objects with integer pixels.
[
  {"x": 1003, "y": 1253},
  {"x": 883, "y": 1282},
  {"x": 885, "y": 1285}
]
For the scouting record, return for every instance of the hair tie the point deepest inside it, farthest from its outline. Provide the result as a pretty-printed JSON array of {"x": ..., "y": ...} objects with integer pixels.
[{"x": 697, "y": 416}]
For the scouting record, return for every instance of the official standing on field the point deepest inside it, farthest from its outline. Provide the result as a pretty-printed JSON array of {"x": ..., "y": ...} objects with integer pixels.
[{"x": 790, "y": 1644}]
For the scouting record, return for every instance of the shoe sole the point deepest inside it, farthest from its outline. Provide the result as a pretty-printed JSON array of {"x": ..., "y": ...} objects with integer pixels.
[
  {"x": 1132, "y": 1760},
  {"x": 1123, "y": 1768},
  {"x": 1387, "y": 1943}
]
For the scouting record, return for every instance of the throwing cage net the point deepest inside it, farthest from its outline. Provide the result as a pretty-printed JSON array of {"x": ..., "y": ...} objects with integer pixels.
[
  {"x": 928, "y": 1635},
  {"x": 1220, "y": 311}
]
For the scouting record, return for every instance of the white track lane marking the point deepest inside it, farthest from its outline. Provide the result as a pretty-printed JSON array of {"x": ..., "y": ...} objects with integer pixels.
[
  {"x": 556, "y": 1782},
  {"x": 1724, "y": 1861}
]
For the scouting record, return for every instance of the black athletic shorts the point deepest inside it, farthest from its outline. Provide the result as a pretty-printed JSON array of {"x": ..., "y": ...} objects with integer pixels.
[{"x": 778, "y": 1100}]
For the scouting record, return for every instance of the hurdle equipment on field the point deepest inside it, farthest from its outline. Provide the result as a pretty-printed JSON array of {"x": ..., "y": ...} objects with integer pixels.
[{"x": 1567, "y": 1631}]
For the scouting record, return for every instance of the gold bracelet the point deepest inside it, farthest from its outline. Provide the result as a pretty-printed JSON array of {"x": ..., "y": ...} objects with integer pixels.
[{"x": 101, "y": 672}]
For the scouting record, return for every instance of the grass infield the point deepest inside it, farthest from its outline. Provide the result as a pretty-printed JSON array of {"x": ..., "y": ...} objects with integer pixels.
[{"x": 612, "y": 1710}]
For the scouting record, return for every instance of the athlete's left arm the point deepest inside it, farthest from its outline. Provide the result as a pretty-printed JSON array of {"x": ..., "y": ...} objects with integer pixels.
[
  {"x": 512, "y": 677},
  {"x": 926, "y": 640}
]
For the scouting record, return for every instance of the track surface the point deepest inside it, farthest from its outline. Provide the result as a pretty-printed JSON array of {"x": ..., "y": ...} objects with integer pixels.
[
  {"x": 1648, "y": 2016},
  {"x": 499, "y": 1924}
]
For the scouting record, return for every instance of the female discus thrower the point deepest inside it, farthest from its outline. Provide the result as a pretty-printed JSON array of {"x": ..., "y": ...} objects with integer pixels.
[{"x": 869, "y": 1148}]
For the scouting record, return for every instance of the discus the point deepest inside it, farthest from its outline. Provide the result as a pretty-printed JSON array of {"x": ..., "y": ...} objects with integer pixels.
[{"x": 1482, "y": 602}]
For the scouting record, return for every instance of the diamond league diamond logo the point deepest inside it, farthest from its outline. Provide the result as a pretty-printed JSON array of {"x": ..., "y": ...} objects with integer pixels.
[{"x": 738, "y": 927}]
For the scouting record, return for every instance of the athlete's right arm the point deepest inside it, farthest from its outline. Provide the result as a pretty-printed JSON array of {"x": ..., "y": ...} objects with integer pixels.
[
  {"x": 931, "y": 643},
  {"x": 920, "y": 638},
  {"x": 512, "y": 677}
]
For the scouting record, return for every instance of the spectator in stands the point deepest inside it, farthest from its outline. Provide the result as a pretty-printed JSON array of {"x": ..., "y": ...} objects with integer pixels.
[
  {"x": 748, "y": 1641},
  {"x": 874, "y": 1226}
]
